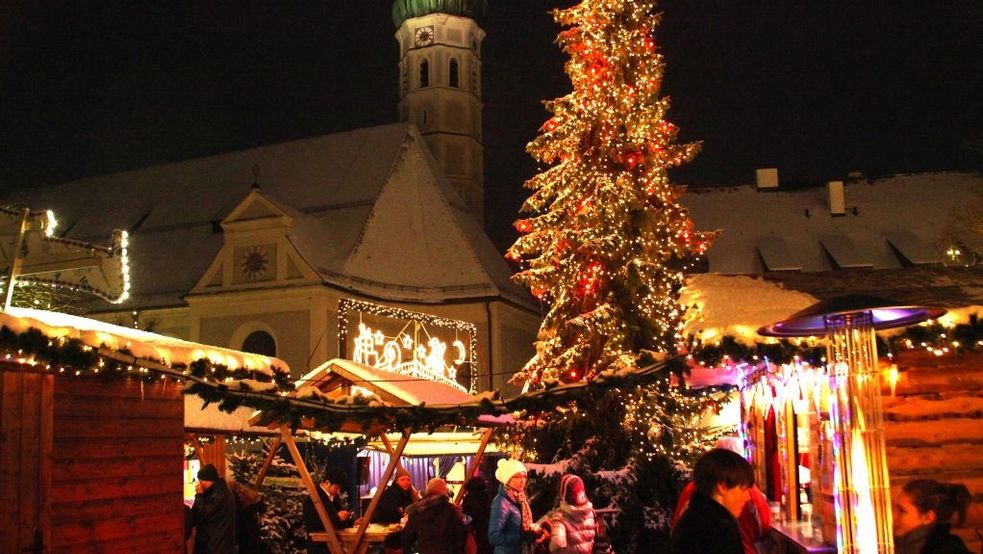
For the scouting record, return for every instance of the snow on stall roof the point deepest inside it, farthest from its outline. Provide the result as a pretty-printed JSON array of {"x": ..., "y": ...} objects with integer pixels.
[
  {"x": 140, "y": 344},
  {"x": 736, "y": 305},
  {"x": 198, "y": 417},
  {"x": 411, "y": 390}
]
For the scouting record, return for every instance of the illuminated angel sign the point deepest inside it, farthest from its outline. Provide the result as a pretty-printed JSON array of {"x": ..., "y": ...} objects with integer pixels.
[{"x": 408, "y": 343}]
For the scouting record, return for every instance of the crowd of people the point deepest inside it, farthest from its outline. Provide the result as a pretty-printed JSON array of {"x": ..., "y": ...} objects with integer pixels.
[
  {"x": 433, "y": 524},
  {"x": 720, "y": 512}
]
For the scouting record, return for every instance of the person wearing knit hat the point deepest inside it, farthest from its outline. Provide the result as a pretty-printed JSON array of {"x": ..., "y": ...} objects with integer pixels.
[
  {"x": 434, "y": 525},
  {"x": 510, "y": 524},
  {"x": 572, "y": 526},
  {"x": 213, "y": 513}
]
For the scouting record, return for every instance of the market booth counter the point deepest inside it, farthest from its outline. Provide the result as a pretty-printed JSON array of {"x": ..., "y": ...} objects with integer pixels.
[
  {"x": 92, "y": 433},
  {"x": 343, "y": 382}
]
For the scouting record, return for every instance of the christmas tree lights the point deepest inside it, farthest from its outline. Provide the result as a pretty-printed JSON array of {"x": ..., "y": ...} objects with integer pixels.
[{"x": 606, "y": 238}]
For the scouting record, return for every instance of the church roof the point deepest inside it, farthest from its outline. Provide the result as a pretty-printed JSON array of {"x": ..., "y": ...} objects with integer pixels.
[
  {"x": 408, "y": 9},
  {"x": 371, "y": 211}
]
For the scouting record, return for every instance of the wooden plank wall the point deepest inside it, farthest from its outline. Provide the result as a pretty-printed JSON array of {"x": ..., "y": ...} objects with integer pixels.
[
  {"x": 117, "y": 466},
  {"x": 25, "y": 458},
  {"x": 934, "y": 426}
]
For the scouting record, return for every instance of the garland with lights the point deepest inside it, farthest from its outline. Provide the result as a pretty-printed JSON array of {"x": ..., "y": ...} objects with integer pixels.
[
  {"x": 606, "y": 237},
  {"x": 935, "y": 338},
  {"x": 268, "y": 389}
]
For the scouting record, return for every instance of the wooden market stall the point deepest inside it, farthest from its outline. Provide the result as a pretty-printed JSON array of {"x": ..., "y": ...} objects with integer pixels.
[
  {"x": 928, "y": 408},
  {"x": 342, "y": 381},
  {"x": 92, "y": 426}
]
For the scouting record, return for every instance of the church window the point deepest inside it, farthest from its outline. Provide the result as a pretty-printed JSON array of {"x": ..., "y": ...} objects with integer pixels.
[
  {"x": 424, "y": 73},
  {"x": 260, "y": 342},
  {"x": 453, "y": 70}
]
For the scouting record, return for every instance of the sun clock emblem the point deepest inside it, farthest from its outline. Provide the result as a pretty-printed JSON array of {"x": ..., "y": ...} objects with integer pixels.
[{"x": 255, "y": 263}]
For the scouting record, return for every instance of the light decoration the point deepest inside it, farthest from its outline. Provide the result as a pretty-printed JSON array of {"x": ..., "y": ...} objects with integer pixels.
[
  {"x": 59, "y": 263},
  {"x": 415, "y": 349},
  {"x": 607, "y": 242}
]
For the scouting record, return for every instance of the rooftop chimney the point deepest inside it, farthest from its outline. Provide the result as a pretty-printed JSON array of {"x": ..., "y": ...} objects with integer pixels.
[
  {"x": 766, "y": 178},
  {"x": 837, "y": 206}
]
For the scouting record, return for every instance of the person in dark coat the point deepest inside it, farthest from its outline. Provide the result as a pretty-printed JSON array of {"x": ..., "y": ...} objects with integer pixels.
[
  {"x": 709, "y": 525},
  {"x": 214, "y": 514},
  {"x": 923, "y": 512},
  {"x": 476, "y": 504},
  {"x": 392, "y": 505},
  {"x": 395, "y": 499},
  {"x": 329, "y": 491},
  {"x": 435, "y": 526},
  {"x": 248, "y": 508}
]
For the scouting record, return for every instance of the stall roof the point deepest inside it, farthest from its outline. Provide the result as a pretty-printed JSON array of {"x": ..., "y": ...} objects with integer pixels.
[
  {"x": 395, "y": 388},
  {"x": 140, "y": 344}
]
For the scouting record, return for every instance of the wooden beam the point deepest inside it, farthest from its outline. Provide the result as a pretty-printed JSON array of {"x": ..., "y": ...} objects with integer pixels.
[
  {"x": 198, "y": 449},
  {"x": 359, "y": 546},
  {"x": 474, "y": 464},
  {"x": 275, "y": 444},
  {"x": 414, "y": 493},
  {"x": 13, "y": 270},
  {"x": 334, "y": 545}
]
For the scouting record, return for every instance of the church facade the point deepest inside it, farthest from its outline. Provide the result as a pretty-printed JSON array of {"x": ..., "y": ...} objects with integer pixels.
[{"x": 364, "y": 244}]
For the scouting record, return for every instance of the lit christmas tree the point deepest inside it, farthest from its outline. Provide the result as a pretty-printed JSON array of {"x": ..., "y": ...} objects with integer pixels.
[
  {"x": 606, "y": 245},
  {"x": 607, "y": 240}
]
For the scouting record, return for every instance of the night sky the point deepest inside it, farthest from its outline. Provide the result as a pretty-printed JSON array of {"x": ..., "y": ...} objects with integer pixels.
[{"x": 814, "y": 88}]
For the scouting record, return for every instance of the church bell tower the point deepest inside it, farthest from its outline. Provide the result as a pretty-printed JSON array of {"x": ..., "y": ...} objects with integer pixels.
[{"x": 440, "y": 86}]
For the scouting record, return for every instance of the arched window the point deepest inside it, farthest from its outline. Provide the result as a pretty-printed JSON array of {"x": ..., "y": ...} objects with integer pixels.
[
  {"x": 453, "y": 73},
  {"x": 260, "y": 342},
  {"x": 424, "y": 73}
]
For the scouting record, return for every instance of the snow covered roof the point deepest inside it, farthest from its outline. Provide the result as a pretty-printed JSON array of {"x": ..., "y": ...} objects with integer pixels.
[
  {"x": 885, "y": 219},
  {"x": 210, "y": 419},
  {"x": 397, "y": 389},
  {"x": 736, "y": 305},
  {"x": 372, "y": 212},
  {"x": 150, "y": 346},
  {"x": 139, "y": 344}
]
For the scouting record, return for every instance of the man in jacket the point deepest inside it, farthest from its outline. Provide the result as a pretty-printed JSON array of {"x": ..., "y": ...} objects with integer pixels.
[
  {"x": 435, "y": 526},
  {"x": 709, "y": 525},
  {"x": 214, "y": 514},
  {"x": 329, "y": 491}
]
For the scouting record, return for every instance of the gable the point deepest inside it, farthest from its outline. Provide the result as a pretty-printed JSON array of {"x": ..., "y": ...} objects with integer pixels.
[
  {"x": 256, "y": 250},
  {"x": 412, "y": 236}
]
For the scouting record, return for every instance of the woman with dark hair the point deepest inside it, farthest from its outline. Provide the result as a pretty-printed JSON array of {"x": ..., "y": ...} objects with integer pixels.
[{"x": 923, "y": 512}]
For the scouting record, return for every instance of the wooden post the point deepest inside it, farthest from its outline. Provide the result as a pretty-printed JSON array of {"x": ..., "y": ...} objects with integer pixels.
[
  {"x": 358, "y": 547},
  {"x": 474, "y": 464},
  {"x": 266, "y": 463},
  {"x": 196, "y": 444},
  {"x": 334, "y": 545},
  {"x": 414, "y": 493},
  {"x": 15, "y": 262}
]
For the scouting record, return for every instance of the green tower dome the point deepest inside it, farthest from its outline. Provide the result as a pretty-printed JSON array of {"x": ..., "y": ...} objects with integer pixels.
[{"x": 406, "y": 9}]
